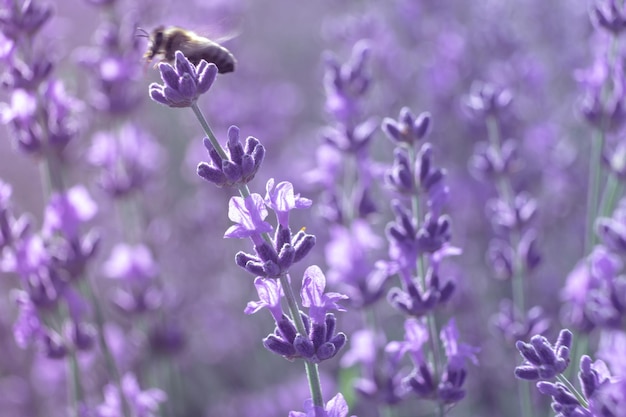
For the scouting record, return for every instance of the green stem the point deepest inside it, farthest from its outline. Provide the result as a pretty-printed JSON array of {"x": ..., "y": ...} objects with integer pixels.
[
  {"x": 312, "y": 371},
  {"x": 573, "y": 390},
  {"x": 612, "y": 191},
  {"x": 506, "y": 192},
  {"x": 104, "y": 345},
  {"x": 207, "y": 129},
  {"x": 77, "y": 394},
  {"x": 593, "y": 193},
  {"x": 518, "y": 285}
]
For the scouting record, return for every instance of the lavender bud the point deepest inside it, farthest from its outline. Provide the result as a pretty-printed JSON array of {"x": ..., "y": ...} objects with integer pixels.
[
  {"x": 326, "y": 351},
  {"x": 286, "y": 257},
  {"x": 318, "y": 335},
  {"x": 303, "y": 246},
  {"x": 304, "y": 347},
  {"x": 278, "y": 346},
  {"x": 287, "y": 329}
]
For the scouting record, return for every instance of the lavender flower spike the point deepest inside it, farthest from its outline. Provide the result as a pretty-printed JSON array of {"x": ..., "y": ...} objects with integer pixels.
[{"x": 183, "y": 83}]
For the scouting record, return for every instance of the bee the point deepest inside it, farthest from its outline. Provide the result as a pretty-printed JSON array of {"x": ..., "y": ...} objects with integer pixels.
[{"x": 165, "y": 41}]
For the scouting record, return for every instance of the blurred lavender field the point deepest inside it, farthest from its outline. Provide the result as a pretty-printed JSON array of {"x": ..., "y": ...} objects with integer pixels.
[{"x": 464, "y": 166}]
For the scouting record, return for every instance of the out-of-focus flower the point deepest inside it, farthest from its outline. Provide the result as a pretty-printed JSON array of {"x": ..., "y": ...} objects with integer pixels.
[
  {"x": 130, "y": 263},
  {"x": 594, "y": 291},
  {"x": 345, "y": 84},
  {"x": 142, "y": 403},
  {"x": 127, "y": 160},
  {"x": 381, "y": 376},
  {"x": 135, "y": 268},
  {"x": 417, "y": 302},
  {"x": 23, "y": 20},
  {"x": 67, "y": 212},
  {"x": 513, "y": 325},
  {"x": 612, "y": 230},
  {"x": 609, "y": 15},
  {"x": 348, "y": 255},
  {"x": 335, "y": 407},
  {"x": 407, "y": 128},
  {"x": 486, "y": 100},
  {"x": 183, "y": 83}
]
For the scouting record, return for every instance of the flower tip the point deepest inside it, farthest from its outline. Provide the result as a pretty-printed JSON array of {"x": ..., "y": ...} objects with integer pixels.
[{"x": 233, "y": 133}]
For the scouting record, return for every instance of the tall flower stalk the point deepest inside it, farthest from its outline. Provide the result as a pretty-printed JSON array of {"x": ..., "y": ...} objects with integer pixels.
[
  {"x": 52, "y": 264},
  {"x": 513, "y": 253},
  {"x": 419, "y": 241},
  {"x": 311, "y": 337},
  {"x": 603, "y": 108}
]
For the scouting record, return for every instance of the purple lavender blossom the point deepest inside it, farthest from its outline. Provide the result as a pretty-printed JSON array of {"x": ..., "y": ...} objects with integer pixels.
[
  {"x": 183, "y": 82},
  {"x": 335, "y": 407},
  {"x": 281, "y": 199},
  {"x": 272, "y": 259},
  {"x": 313, "y": 296},
  {"x": 320, "y": 343},
  {"x": 407, "y": 128},
  {"x": 54, "y": 130},
  {"x": 240, "y": 167},
  {"x": 11, "y": 228},
  {"x": 248, "y": 214},
  {"x": 542, "y": 359},
  {"x": 449, "y": 389},
  {"x": 594, "y": 291},
  {"x": 269, "y": 296},
  {"x": 114, "y": 66},
  {"x": 417, "y": 302}
]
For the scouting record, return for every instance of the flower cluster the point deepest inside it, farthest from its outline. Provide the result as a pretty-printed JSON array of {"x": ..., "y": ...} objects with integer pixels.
[
  {"x": 601, "y": 394},
  {"x": 183, "y": 83},
  {"x": 320, "y": 342}
]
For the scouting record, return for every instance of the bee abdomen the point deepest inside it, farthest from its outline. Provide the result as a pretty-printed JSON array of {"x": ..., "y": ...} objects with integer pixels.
[{"x": 217, "y": 54}]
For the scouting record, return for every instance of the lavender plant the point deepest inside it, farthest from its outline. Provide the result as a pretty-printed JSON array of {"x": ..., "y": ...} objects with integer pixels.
[{"x": 308, "y": 336}]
